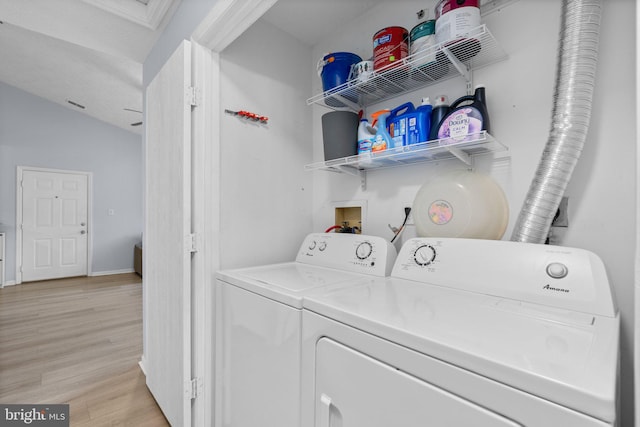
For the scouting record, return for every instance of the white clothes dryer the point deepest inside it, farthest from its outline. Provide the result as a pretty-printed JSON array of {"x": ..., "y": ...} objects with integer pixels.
[
  {"x": 259, "y": 324},
  {"x": 466, "y": 333}
]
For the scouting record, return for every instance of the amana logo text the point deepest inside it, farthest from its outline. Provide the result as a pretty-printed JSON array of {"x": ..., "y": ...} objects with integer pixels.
[{"x": 550, "y": 288}]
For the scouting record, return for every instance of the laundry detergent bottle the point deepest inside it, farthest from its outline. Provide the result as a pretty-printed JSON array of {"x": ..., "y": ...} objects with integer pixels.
[
  {"x": 374, "y": 116},
  {"x": 382, "y": 140},
  {"x": 398, "y": 123},
  {"x": 464, "y": 121},
  {"x": 366, "y": 136},
  {"x": 439, "y": 111},
  {"x": 419, "y": 123}
]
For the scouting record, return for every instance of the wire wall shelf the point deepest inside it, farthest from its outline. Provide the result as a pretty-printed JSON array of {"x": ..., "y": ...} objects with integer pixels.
[
  {"x": 443, "y": 61},
  {"x": 442, "y": 149}
]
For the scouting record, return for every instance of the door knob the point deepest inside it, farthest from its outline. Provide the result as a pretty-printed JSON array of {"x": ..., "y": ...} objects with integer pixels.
[
  {"x": 82, "y": 224},
  {"x": 82, "y": 231}
]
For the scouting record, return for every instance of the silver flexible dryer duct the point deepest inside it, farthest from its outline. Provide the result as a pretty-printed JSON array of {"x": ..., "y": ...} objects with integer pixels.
[{"x": 575, "y": 79}]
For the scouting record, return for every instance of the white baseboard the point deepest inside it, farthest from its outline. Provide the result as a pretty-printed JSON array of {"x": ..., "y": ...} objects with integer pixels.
[
  {"x": 95, "y": 273},
  {"x": 107, "y": 273},
  {"x": 141, "y": 364},
  {"x": 8, "y": 283}
]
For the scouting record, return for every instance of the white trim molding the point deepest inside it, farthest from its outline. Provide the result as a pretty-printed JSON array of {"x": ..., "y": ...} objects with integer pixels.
[
  {"x": 141, "y": 363},
  {"x": 110, "y": 272},
  {"x": 228, "y": 20},
  {"x": 148, "y": 15}
]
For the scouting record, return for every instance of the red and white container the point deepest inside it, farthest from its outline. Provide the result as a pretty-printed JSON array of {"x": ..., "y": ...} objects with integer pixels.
[
  {"x": 390, "y": 45},
  {"x": 455, "y": 18}
]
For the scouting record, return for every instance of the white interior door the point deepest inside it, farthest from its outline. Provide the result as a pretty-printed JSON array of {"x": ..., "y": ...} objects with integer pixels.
[
  {"x": 167, "y": 233},
  {"x": 54, "y": 224}
]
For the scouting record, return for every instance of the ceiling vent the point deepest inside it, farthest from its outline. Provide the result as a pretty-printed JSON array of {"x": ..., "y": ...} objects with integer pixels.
[
  {"x": 135, "y": 111},
  {"x": 75, "y": 104}
]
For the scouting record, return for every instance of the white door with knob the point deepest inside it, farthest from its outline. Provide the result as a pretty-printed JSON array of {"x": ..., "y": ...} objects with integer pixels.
[{"x": 53, "y": 224}]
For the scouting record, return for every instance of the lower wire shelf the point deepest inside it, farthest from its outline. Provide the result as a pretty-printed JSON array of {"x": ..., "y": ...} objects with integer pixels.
[{"x": 442, "y": 149}]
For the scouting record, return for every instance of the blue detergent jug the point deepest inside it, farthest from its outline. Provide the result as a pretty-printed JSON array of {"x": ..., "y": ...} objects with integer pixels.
[
  {"x": 409, "y": 125},
  {"x": 397, "y": 123},
  {"x": 419, "y": 123}
]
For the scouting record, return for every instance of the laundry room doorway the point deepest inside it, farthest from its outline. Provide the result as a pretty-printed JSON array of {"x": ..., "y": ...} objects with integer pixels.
[{"x": 52, "y": 232}]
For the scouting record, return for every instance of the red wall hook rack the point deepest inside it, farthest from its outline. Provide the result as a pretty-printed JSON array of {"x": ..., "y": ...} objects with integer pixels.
[{"x": 248, "y": 115}]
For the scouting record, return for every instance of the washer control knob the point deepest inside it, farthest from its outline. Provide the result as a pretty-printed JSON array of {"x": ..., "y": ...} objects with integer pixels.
[
  {"x": 312, "y": 245},
  {"x": 557, "y": 270},
  {"x": 364, "y": 250},
  {"x": 322, "y": 246},
  {"x": 424, "y": 255}
]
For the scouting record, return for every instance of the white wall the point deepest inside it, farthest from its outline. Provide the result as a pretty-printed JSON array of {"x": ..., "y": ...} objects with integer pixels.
[
  {"x": 183, "y": 22},
  {"x": 265, "y": 193},
  {"x": 602, "y": 208},
  {"x": 35, "y": 132}
]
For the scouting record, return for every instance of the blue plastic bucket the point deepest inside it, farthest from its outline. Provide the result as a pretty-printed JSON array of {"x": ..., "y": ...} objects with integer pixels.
[{"x": 334, "y": 70}]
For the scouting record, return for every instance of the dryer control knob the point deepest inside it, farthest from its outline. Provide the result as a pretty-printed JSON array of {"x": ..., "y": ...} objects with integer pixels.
[{"x": 424, "y": 255}]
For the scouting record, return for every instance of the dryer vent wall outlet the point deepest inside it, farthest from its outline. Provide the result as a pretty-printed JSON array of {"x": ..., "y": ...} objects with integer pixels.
[
  {"x": 349, "y": 218},
  {"x": 562, "y": 216}
]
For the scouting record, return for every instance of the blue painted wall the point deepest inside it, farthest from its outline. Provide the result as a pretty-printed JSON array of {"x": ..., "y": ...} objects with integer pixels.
[{"x": 39, "y": 133}]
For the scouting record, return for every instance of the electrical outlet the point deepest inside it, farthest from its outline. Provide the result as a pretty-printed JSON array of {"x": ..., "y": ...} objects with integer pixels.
[{"x": 410, "y": 217}]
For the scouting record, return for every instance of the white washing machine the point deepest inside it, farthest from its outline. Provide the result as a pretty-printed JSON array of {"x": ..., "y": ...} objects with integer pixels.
[
  {"x": 259, "y": 324},
  {"x": 466, "y": 333}
]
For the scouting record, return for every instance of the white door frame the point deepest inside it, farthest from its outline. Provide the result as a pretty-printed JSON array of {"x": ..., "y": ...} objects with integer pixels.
[
  {"x": 636, "y": 356},
  {"x": 205, "y": 217},
  {"x": 19, "y": 201},
  {"x": 227, "y": 21}
]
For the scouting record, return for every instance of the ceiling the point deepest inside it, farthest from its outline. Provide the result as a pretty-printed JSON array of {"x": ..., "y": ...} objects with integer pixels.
[
  {"x": 311, "y": 20},
  {"x": 82, "y": 53},
  {"x": 87, "y": 55}
]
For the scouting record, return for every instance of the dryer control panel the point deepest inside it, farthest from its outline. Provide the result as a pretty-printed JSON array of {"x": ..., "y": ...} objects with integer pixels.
[
  {"x": 349, "y": 252},
  {"x": 555, "y": 276}
]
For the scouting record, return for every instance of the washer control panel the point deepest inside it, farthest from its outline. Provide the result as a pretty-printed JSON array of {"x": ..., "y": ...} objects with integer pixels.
[
  {"x": 350, "y": 252},
  {"x": 556, "y": 276},
  {"x": 364, "y": 250}
]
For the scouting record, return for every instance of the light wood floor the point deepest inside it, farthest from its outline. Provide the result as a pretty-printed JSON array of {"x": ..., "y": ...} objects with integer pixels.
[{"x": 77, "y": 341}]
